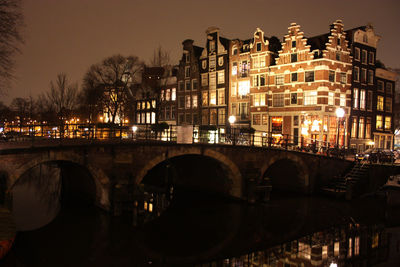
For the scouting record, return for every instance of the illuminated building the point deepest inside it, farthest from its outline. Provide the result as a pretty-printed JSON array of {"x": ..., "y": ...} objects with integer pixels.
[
  {"x": 382, "y": 121},
  {"x": 310, "y": 79},
  {"x": 214, "y": 84},
  {"x": 188, "y": 94},
  {"x": 167, "y": 102}
]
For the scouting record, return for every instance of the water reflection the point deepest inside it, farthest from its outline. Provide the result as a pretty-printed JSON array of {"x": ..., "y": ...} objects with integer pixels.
[{"x": 205, "y": 230}]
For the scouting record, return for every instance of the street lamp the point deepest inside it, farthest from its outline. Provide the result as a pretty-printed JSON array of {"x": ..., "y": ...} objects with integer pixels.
[
  {"x": 232, "y": 120},
  {"x": 339, "y": 115}
]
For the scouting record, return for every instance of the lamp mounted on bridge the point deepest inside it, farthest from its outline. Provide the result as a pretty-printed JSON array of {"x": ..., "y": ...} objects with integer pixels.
[
  {"x": 232, "y": 120},
  {"x": 339, "y": 114}
]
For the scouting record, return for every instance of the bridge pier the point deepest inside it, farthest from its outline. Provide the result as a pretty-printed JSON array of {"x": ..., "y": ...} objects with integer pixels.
[{"x": 258, "y": 188}]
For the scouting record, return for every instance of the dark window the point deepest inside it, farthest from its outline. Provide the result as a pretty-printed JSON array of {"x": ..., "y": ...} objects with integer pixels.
[
  {"x": 293, "y": 44},
  {"x": 262, "y": 80},
  {"x": 295, "y": 136},
  {"x": 316, "y": 54},
  {"x": 187, "y": 85},
  {"x": 332, "y": 76},
  {"x": 294, "y": 77},
  {"x": 293, "y": 98},
  {"x": 258, "y": 46},
  {"x": 294, "y": 57},
  {"x": 309, "y": 76},
  {"x": 338, "y": 41},
  {"x": 295, "y": 120},
  {"x": 337, "y": 55}
]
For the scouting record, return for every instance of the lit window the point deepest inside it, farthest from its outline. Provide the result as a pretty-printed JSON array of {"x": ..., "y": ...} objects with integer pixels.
[
  {"x": 361, "y": 128},
  {"x": 379, "y": 122},
  {"x": 279, "y": 79},
  {"x": 357, "y": 245},
  {"x": 221, "y": 97},
  {"x": 234, "y": 68},
  {"x": 173, "y": 94},
  {"x": 379, "y": 104},
  {"x": 168, "y": 95},
  {"x": 324, "y": 252},
  {"x": 211, "y": 46},
  {"x": 256, "y": 119},
  {"x": 331, "y": 98},
  {"x": 353, "y": 127},
  {"x": 388, "y": 123},
  {"x": 162, "y": 95},
  {"x": 244, "y": 88},
  {"x": 213, "y": 80},
  {"x": 204, "y": 98},
  {"x": 213, "y": 97},
  {"x": 368, "y": 128},
  {"x": 375, "y": 240},
  {"x": 212, "y": 60},
  {"x": 233, "y": 89},
  {"x": 194, "y": 101},
  {"x": 204, "y": 79},
  {"x": 310, "y": 98},
  {"x": 350, "y": 248},
  {"x": 221, "y": 77},
  {"x": 304, "y": 251},
  {"x": 336, "y": 247},
  {"x": 362, "y": 99},
  {"x": 355, "y": 98},
  {"x": 187, "y": 102}
]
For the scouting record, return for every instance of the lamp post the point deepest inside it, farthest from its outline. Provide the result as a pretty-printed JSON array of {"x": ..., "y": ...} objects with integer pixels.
[
  {"x": 232, "y": 120},
  {"x": 339, "y": 115}
]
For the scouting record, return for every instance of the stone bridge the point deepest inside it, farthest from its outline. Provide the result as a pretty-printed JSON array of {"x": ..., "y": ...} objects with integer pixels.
[{"x": 119, "y": 165}]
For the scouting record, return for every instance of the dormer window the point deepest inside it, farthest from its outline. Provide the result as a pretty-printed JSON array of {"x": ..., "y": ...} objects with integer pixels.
[
  {"x": 258, "y": 46},
  {"x": 293, "y": 44},
  {"x": 234, "y": 51},
  {"x": 212, "y": 46}
]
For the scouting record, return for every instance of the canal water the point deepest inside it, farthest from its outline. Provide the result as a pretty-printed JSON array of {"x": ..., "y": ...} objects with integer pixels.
[{"x": 198, "y": 229}]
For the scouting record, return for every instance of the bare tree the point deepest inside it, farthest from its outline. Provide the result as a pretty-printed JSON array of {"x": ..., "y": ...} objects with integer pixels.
[
  {"x": 160, "y": 58},
  {"x": 63, "y": 96},
  {"x": 11, "y": 23},
  {"x": 111, "y": 82}
]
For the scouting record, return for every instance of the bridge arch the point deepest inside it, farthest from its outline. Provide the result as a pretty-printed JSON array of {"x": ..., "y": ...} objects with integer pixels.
[
  {"x": 292, "y": 163},
  {"x": 234, "y": 172},
  {"x": 100, "y": 179}
]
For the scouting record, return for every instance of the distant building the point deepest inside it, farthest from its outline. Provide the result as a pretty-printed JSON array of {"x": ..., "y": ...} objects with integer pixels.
[
  {"x": 147, "y": 95},
  {"x": 167, "y": 101}
]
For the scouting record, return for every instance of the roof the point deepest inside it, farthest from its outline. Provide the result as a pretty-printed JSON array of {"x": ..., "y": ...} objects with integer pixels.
[{"x": 318, "y": 42}]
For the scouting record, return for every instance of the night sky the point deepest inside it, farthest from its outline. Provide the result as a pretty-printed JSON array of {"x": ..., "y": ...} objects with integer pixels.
[{"x": 70, "y": 35}]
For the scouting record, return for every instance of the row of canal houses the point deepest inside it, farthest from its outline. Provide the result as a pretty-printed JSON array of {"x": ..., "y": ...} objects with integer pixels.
[{"x": 290, "y": 88}]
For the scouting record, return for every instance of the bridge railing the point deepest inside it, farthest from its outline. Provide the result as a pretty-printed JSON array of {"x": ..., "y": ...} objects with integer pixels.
[{"x": 206, "y": 135}]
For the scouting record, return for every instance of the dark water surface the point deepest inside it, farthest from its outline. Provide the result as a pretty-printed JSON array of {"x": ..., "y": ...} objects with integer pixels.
[{"x": 202, "y": 229}]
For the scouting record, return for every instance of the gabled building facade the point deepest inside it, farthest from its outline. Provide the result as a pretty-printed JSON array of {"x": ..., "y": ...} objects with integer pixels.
[
  {"x": 309, "y": 82},
  {"x": 383, "y": 128},
  {"x": 214, "y": 83},
  {"x": 363, "y": 41},
  {"x": 167, "y": 101},
  {"x": 188, "y": 76}
]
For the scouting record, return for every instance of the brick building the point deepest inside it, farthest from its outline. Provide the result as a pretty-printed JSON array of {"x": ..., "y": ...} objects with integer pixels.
[
  {"x": 188, "y": 76},
  {"x": 167, "y": 100}
]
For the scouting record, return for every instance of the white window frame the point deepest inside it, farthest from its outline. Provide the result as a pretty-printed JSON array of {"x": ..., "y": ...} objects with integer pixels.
[
  {"x": 204, "y": 79},
  {"x": 221, "y": 77}
]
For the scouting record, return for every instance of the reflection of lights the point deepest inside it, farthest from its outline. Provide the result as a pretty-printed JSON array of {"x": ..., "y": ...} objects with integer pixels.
[
  {"x": 126, "y": 121},
  {"x": 333, "y": 264},
  {"x": 134, "y": 129},
  {"x": 371, "y": 143}
]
